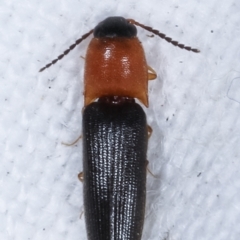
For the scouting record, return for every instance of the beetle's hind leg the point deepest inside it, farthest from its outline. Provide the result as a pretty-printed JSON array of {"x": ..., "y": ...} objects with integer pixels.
[
  {"x": 148, "y": 170},
  {"x": 149, "y": 131},
  {"x": 70, "y": 144}
]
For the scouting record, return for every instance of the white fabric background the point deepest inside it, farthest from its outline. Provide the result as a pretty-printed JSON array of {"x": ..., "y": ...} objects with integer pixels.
[{"x": 194, "y": 112}]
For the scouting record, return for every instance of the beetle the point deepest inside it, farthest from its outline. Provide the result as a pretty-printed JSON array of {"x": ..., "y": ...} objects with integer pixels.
[{"x": 115, "y": 130}]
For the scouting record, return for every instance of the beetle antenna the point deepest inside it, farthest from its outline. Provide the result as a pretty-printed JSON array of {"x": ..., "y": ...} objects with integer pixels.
[
  {"x": 67, "y": 51},
  {"x": 161, "y": 35}
]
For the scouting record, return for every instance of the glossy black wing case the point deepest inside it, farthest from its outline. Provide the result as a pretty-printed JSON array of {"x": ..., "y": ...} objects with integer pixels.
[{"x": 114, "y": 167}]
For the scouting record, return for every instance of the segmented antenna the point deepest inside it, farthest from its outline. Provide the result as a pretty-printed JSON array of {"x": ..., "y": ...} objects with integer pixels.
[
  {"x": 67, "y": 51},
  {"x": 161, "y": 35}
]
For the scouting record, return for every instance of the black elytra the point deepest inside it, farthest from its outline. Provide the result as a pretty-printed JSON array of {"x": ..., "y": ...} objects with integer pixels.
[{"x": 115, "y": 141}]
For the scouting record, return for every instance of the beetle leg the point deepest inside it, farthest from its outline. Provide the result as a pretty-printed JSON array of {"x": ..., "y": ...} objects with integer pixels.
[
  {"x": 149, "y": 130},
  {"x": 151, "y": 74},
  {"x": 70, "y": 144},
  {"x": 80, "y": 177},
  {"x": 80, "y": 217},
  {"x": 149, "y": 170}
]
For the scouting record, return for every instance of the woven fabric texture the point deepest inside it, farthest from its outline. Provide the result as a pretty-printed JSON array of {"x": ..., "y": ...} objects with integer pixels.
[{"x": 194, "y": 107}]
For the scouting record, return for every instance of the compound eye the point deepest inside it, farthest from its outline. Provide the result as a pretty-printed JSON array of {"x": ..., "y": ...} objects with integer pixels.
[{"x": 115, "y": 27}]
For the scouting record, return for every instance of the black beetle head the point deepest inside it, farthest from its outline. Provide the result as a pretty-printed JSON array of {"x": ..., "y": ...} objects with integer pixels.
[{"x": 115, "y": 27}]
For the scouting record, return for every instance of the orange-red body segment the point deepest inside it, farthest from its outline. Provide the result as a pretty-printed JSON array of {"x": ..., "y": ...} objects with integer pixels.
[{"x": 116, "y": 67}]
